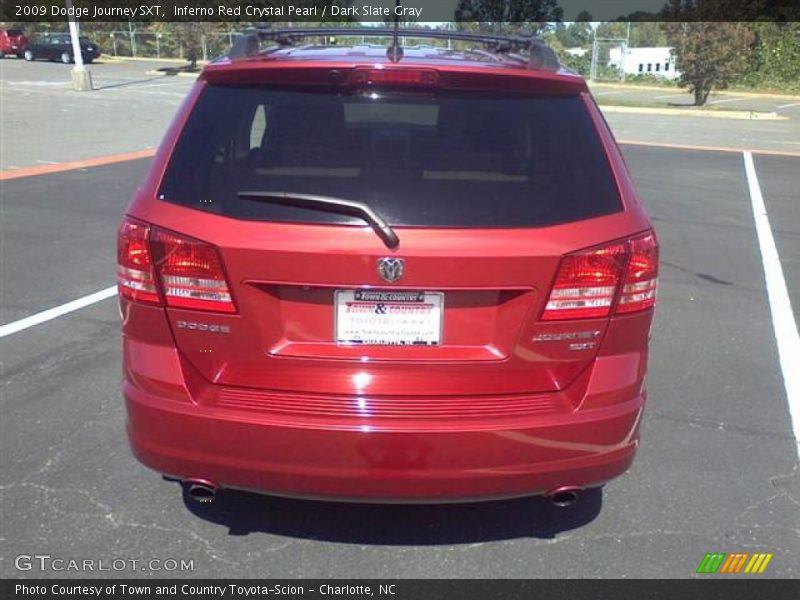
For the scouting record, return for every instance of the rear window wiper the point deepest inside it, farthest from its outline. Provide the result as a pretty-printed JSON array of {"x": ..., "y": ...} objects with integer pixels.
[{"x": 337, "y": 205}]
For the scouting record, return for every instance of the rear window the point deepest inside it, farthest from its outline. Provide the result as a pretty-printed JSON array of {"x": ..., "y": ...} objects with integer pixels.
[
  {"x": 14, "y": 32},
  {"x": 435, "y": 160}
]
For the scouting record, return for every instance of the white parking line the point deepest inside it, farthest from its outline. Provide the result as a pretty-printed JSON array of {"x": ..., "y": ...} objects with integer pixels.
[
  {"x": 789, "y": 105},
  {"x": 683, "y": 95},
  {"x": 35, "y": 83},
  {"x": 52, "y": 313},
  {"x": 783, "y": 321}
]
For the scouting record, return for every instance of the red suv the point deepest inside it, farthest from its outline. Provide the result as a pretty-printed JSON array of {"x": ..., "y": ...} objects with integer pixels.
[
  {"x": 13, "y": 41},
  {"x": 418, "y": 274}
]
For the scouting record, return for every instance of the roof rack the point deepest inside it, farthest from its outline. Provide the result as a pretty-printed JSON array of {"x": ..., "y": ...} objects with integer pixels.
[{"x": 540, "y": 55}]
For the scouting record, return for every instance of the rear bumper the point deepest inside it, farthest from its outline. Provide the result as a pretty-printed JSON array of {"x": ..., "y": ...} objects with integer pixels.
[{"x": 249, "y": 451}]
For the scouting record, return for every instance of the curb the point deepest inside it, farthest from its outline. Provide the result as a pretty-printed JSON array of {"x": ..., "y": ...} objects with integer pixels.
[
  {"x": 678, "y": 90},
  {"x": 148, "y": 59},
  {"x": 701, "y": 148},
  {"x": 746, "y": 115}
]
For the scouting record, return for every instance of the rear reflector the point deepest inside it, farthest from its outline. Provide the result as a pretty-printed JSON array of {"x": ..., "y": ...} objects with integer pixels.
[
  {"x": 135, "y": 263},
  {"x": 191, "y": 273},
  {"x": 394, "y": 77},
  {"x": 587, "y": 282}
]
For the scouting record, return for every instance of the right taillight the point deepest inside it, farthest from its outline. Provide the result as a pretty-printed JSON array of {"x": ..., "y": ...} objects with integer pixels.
[
  {"x": 588, "y": 282},
  {"x": 641, "y": 276}
]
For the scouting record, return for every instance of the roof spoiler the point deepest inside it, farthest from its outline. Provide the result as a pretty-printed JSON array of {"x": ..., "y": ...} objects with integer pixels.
[{"x": 540, "y": 56}]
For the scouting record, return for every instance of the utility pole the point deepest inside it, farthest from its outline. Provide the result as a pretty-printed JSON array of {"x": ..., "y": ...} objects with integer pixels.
[
  {"x": 132, "y": 35},
  {"x": 623, "y": 59},
  {"x": 81, "y": 77}
]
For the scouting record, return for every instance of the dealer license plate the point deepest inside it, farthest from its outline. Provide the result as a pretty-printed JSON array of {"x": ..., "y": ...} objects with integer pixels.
[{"x": 389, "y": 317}]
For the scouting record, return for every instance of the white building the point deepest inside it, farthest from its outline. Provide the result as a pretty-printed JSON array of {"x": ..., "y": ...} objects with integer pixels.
[{"x": 658, "y": 61}]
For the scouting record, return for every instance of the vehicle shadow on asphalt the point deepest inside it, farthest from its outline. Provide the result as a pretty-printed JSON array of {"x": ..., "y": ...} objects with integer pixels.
[
  {"x": 128, "y": 83},
  {"x": 396, "y": 524}
]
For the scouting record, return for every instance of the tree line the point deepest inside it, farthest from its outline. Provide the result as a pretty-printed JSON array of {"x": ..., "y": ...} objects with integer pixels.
[{"x": 709, "y": 55}]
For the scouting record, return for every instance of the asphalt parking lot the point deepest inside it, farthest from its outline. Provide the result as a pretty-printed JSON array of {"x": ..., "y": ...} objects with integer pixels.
[
  {"x": 129, "y": 103},
  {"x": 718, "y": 465}
]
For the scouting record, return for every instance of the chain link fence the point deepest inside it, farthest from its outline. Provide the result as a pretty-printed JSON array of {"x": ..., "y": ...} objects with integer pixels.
[
  {"x": 607, "y": 60},
  {"x": 146, "y": 44}
]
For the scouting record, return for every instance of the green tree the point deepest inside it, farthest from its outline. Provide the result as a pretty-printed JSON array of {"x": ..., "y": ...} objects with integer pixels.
[
  {"x": 579, "y": 64},
  {"x": 775, "y": 62},
  {"x": 612, "y": 30},
  {"x": 642, "y": 33},
  {"x": 189, "y": 35},
  {"x": 710, "y": 55},
  {"x": 647, "y": 34},
  {"x": 507, "y": 16},
  {"x": 578, "y": 33},
  {"x": 732, "y": 10},
  {"x": 406, "y": 21}
]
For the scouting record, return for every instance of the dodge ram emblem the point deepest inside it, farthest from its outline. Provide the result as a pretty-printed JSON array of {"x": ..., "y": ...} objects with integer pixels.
[{"x": 391, "y": 269}]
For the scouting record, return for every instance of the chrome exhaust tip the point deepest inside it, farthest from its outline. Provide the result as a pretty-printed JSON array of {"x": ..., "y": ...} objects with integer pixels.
[
  {"x": 201, "y": 490},
  {"x": 564, "y": 496}
]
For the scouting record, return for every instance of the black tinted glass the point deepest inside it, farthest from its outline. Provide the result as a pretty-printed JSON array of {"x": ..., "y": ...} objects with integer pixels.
[{"x": 446, "y": 160}]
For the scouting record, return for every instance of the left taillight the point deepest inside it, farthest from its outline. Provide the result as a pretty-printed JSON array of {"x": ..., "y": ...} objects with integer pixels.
[
  {"x": 135, "y": 279},
  {"x": 189, "y": 271}
]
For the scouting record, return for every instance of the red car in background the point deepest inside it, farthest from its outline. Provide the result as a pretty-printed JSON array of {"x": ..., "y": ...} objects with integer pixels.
[
  {"x": 418, "y": 274},
  {"x": 13, "y": 42}
]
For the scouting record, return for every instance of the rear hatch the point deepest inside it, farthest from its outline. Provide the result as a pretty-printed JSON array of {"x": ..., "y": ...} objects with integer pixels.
[{"x": 486, "y": 190}]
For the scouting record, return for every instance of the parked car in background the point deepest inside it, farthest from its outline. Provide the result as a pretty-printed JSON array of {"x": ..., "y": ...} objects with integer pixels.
[
  {"x": 58, "y": 46},
  {"x": 12, "y": 41}
]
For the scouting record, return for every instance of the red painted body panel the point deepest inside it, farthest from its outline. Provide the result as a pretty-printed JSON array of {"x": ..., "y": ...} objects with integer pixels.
[
  {"x": 386, "y": 457},
  {"x": 504, "y": 406}
]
